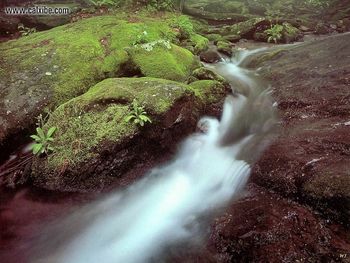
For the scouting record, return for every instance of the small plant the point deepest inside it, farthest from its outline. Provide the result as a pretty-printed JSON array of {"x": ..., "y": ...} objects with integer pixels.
[
  {"x": 185, "y": 26},
  {"x": 25, "y": 31},
  {"x": 274, "y": 33},
  {"x": 101, "y": 3},
  {"x": 43, "y": 141},
  {"x": 141, "y": 38},
  {"x": 138, "y": 114},
  {"x": 319, "y": 3},
  {"x": 160, "y": 5}
]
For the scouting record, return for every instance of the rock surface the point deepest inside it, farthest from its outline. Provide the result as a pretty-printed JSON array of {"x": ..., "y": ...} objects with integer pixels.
[
  {"x": 95, "y": 146},
  {"x": 46, "y": 69},
  {"x": 311, "y": 160}
]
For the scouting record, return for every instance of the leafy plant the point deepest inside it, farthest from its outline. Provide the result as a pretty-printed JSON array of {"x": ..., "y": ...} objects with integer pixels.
[
  {"x": 138, "y": 114},
  {"x": 101, "y": 3},
  {"x": 141, "y": 38},
  {"x": 161, "y": 5},
  {"x": 319, "y": 3},
  {"x": 184, "y": 25},
  {"x": 43, "y": 141},
  {"x": 25, "y": 31},
  {"x": 274, "y": 33}
]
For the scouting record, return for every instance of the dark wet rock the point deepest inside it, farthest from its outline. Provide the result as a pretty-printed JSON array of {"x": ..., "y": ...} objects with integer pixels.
[
  {"x": 9, "y": 23},
  {"x": 210, "y": 56},
  {"x": 264, "y": 227},
  {"x": 225, "y": 48},
  {"x": 310, "y": 160},
  {"x": 322, "y": 29},
  {"x": 304, "y": 29}
]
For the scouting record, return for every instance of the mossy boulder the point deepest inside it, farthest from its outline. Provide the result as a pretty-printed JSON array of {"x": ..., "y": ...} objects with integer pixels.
[
  {"x": 245, "y": 29},
  {"x": 48, "y": 68},
  {"x": 209, "y": 91},
  {"x": 225, "y": 47},
  {"x": 94, "y": 142},
  {"x": 161, "y": 59},
  {"x": 200, "y": 43},
  {"x": 95, "y": 146},
  {"x": 229, "y": 12},
  {"x": 207, "y": 74},
  {"x": 214, "y": 37}
]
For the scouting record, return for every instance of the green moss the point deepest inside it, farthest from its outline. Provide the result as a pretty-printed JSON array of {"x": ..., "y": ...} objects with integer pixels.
[
  {"x": 200, "y": 43},
  {"x": 207, "y": 74},
  {"x": 86, "y": 122},
  {"x": 208, "y": 91},
  {"x": 78, "y": 55},
  {"x": 162, "y": 61},
  {"x": 214, "y": 37}
]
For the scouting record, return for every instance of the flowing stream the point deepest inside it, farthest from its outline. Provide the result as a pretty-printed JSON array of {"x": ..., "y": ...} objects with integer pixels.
[{"x": 173, "y": 203}]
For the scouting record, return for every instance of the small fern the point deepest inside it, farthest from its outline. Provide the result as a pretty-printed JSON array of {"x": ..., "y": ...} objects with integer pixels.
[
  {"x": 43, "y": 141},
  {"x": 274, "y": 33},
  {"x": 25, "y": 31},
  {"x": 138, "y": 115}
]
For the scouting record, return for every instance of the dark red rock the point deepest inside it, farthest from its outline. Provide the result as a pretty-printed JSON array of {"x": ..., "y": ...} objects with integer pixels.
[{"x": 210, "y": 56}]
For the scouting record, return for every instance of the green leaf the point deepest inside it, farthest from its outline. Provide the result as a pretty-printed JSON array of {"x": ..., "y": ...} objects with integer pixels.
[
  {"x": 142, "y": 123},
  {"x": 36, "y": 138},
  {"x": 50, "y": 148},
  {"x": 37, "y": 147},
  {"x": 43, "y": 150},
  {"x": 145, "y": 118},
  {"x": 50, "y": 139},
  {"x": 51, "y": 131},
  {"x": 129, "y": 118},
  {"x": 40, "y": 133}
]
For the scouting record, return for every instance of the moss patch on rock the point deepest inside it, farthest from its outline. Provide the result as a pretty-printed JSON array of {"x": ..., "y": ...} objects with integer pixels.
[
  {"x": 93, "y": 138},
  {"x": 208, "y": 91},
  {"x": 49, "y": 68},
  {"x": 163, "y": 60},
  {"x": 94, "y": 123},
  {"x": 99, "y": 114}
]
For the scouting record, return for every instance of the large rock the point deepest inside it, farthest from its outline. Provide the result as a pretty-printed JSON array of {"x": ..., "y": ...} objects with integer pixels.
[
  {"x": 48, "y": 68},
  {"x": 311, "y": 159},
  {"x": 162, "y": 59},
  {"x": 94, "y": 145},
  {"x": 307, "y": 13}
]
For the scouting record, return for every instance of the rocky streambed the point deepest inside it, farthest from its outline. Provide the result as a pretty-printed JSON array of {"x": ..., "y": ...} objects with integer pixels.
[{"x": 296, "y": 207}]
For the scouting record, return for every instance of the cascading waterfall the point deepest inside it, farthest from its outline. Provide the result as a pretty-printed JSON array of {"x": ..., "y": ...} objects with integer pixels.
[{"x": 168, "y": 205}]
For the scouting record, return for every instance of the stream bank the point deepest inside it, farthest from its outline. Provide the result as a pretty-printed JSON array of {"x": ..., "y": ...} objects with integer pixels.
[{"x": 306, "y": 217}]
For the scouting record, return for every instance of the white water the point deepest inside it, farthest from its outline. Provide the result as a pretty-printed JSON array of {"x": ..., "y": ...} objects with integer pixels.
[{"x": 167, "y": 207}]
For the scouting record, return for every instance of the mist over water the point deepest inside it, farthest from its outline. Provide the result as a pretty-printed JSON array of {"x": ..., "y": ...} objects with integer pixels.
[{"x": 171, "y": 203}]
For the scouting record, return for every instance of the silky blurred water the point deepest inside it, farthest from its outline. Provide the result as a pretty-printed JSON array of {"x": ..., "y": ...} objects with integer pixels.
[{"x": 171, "y": 203}]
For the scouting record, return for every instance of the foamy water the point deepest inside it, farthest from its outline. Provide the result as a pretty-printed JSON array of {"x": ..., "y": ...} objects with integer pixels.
[{"x": 169, "y": 204}]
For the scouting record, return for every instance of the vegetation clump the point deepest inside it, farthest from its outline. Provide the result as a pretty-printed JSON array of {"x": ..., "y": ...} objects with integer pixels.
[
  {"x": 138, "y": 115},
  {"x": 26, "y": 31},
  {"x": 43, "y": 140},
  {"x": 274, "y": 33},
  {"x": 160, "y": 5}
]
